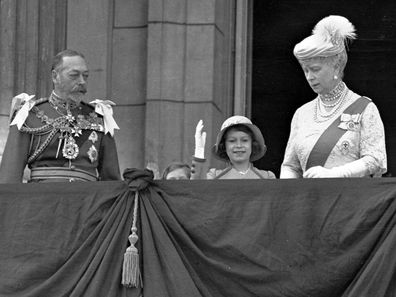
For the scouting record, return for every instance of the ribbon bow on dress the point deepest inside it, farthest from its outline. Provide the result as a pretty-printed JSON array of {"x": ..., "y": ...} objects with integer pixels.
[
  {"x": 23, "y": 113},
  {"x": 103, "y": 107},
  {"x": 350, "y": 122}
]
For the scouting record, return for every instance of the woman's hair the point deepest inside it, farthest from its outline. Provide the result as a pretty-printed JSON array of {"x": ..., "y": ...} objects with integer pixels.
[
  {"x": 339, "y": 60},
  {"x": 177, "y": 165},
  {"x": 239, "y": 127}
]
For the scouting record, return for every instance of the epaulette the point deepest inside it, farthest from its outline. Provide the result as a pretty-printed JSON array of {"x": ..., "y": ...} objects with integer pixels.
[
  {"x": 17, "y": 103},
  {"x": 88, "y": 104},
  {"x": 91, "y": 108},
  {"x": 41, "y": 100}
]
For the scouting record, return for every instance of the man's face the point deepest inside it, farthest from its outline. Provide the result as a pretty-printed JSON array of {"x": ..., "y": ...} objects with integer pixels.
[{"x": 70, "y": 78}]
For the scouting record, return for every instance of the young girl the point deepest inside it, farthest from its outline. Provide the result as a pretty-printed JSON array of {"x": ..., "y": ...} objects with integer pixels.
[{"x": 239, "y": 143}]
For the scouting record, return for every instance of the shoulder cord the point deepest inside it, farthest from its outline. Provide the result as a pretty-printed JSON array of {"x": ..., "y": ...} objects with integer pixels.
[
  {"x": 39, "y": 131},
  {"x": 43, "y": 146}
]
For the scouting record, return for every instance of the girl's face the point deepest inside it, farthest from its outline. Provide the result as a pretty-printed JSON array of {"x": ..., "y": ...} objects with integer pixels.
[
  {"x": 319, "y": 73},
  {"x": 238, "y": 146}
]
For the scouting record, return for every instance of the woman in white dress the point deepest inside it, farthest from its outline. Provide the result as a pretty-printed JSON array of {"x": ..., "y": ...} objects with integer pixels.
[{"x": 339, "y": 133}]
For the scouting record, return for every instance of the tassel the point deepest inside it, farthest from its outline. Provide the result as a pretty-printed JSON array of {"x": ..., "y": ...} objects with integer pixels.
[{"x": 131, "y": 276}]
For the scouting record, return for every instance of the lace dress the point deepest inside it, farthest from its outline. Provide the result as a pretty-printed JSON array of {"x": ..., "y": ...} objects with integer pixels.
[{"x": 366, "y": 143}]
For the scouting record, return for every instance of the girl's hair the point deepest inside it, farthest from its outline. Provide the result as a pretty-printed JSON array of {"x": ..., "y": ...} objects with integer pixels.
[
  {"x": 239, "y": 127},
  {"x": 177, "y": 165}
]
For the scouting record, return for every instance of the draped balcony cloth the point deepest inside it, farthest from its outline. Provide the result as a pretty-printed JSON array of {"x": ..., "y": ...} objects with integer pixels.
[{"x": 318, "y": 237}]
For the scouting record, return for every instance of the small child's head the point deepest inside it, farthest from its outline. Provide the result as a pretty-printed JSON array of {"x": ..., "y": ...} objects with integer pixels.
[
  {"x": 177, "y": 171},
  {"x": 239, "y": 140}
]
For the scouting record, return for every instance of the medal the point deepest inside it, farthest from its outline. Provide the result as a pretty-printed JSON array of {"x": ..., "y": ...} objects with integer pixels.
[
  {"x": 70, "y": 148},
  {"x": 92, "y": 154},
  {"x": 93, "y": 137}
]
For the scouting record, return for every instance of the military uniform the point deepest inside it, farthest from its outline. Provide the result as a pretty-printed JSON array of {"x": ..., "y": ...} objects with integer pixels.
[{"x": 59, "y": 143}]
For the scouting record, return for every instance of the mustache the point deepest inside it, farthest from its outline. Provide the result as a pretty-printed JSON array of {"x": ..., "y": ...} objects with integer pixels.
[{"x": 81, "y": 89}]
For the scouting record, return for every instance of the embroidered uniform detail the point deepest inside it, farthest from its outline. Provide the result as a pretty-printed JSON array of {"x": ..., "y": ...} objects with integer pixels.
[{"x": 93, "y": 153}]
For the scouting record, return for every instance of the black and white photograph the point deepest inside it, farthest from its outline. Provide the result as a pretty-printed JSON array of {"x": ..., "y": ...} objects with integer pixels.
[{"x": 197, "y": 148}]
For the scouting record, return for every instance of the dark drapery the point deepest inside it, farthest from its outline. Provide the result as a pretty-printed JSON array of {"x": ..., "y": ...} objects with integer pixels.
[{"x": 322, "y": 237}]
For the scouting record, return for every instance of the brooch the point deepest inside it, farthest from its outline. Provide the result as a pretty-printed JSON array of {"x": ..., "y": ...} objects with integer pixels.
[
  {"x": 345, "y": 145},
  {"x": 350, "y": 122}
]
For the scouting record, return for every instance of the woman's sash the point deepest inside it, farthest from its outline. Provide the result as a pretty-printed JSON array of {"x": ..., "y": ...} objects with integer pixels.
[{"x": 329, "y": 138}]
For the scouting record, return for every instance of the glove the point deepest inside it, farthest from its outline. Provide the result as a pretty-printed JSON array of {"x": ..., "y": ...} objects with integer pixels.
[
  {"x": 356, "y": 168},
  {"x": 320, "y": 172},
  {"x": 200, "y": 140}
]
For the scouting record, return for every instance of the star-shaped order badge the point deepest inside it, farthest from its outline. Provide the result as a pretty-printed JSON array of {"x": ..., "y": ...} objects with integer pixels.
[
  {"x": 93, "y": 137},
  {"x": 70, "y": 148},
  {"x": 92, "y": 153}
]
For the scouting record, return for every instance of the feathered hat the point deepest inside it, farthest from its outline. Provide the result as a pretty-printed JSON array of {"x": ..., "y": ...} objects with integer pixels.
[{"x": 329, "y": 37}]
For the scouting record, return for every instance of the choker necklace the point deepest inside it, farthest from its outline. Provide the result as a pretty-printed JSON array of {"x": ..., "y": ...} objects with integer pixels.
[
  {"x": 324, "y": 117},
  {"x": 334, "y": 94}
]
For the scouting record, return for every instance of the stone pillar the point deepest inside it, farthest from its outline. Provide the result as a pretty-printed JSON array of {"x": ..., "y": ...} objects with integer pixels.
[
  {"x": 189, "y": 75},
  {"x": 113, "y": 36},
  {"x": 31, "y": 32},
  {"x": 7, "y": 64}
]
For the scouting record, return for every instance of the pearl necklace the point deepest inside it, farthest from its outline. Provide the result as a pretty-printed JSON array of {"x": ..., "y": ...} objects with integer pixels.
[
  {"x": 334, "y": 94},
  {"x": 325, "y": 117},
  {"x": 332, "y": 104}
]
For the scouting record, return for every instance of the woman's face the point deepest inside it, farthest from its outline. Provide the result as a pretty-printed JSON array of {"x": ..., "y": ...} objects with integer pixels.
[
  {"x": 238, "y": 146},
  {"x": 320, "y": 72},
  {"x": 177, "y": 174}
]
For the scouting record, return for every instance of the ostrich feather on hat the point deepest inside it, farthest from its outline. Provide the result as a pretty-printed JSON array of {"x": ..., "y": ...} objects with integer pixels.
[
  {"x": 335, "y": 28},
  {"x": 329, "y": 37}
]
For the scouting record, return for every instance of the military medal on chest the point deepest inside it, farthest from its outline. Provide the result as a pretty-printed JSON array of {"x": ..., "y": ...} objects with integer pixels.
[
  {"x": 69, "y": 127},
  {"x": 70, "y": 148}
]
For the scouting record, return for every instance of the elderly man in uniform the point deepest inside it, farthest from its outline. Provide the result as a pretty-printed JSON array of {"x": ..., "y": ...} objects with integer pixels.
[{"x": 61, "y": 138}]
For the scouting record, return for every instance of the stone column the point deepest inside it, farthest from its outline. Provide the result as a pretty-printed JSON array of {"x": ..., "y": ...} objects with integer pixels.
[
  {"x": 113, "y": 36},
  {"x": 7, "y": 64},
  {"x": 189, "y": 75},
  {"x": 31, "y": 32}
]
